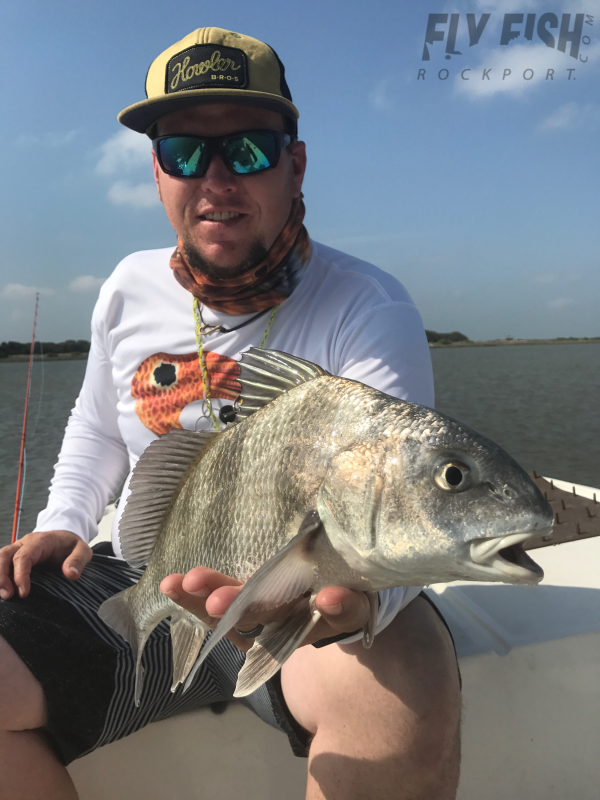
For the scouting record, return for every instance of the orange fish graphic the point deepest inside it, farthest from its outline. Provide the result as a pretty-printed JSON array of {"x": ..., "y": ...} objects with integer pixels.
[{"x": 164, "y": 384}]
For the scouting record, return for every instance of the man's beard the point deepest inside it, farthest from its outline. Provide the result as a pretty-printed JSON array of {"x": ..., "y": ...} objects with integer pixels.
[{"x": 257, "y": 253}]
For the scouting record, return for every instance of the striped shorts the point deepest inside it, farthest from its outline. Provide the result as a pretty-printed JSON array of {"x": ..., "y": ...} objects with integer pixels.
[{"x": 87, "y": 670}]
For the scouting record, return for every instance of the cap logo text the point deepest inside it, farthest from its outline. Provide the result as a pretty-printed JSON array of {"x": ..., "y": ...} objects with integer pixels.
[{"x": 203, "y": 65}]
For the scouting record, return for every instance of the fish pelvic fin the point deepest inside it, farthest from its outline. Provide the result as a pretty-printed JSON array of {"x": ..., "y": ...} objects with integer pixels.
[
  {"x": 275, "y": 645},
  {"x": 187, "y": 634},
  {"x": 369, "y": 627},
  {"x": 119, "y": 613},
  {"x": 284, "y": 577},
  {"x": 266, "y": 374}
]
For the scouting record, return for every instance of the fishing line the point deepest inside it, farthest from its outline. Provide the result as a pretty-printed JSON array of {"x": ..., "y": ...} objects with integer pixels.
[{"x": 37, "y": 419}]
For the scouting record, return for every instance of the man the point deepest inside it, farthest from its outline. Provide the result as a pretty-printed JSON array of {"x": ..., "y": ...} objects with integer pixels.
[{"x": 379, "y": 723}]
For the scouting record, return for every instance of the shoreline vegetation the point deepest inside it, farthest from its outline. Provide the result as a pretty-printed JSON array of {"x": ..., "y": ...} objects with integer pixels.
[
  {"x": 77, "y": 350},
  {"x": 457, "y": 339}
]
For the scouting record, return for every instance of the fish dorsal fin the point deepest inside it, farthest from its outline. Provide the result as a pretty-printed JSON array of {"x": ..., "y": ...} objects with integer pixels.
[
  {"x": 267, "y": 374},
  {"x": 156, "y": 477}
]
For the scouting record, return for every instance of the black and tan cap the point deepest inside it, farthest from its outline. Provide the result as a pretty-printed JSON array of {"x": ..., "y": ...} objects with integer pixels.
[{"x": 211, "y": 65}]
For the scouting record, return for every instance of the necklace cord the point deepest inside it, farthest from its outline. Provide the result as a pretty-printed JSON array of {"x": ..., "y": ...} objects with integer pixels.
[{"x": 200, "y": 332}]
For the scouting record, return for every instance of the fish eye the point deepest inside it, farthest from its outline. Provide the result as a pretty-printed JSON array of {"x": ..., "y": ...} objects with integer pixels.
[{"x": 452, "y": 476}]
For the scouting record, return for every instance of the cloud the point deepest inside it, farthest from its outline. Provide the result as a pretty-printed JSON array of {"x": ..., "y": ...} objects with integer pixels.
[
  {"x": 560, "y": 302},
  {"x": 50, "y": 139},
  {"x": 86, "y": 283},
  {"x": 544, "y": 277},
  {"x": 379, "y": 96},
  {"x": 509, "y": 6},
  {"x": 505, "y": 6},
  {"x": 125, "y": 151},
  {"x": 143, "y": 195},
  {"x": 572, "y": 115},
  {"x": 18, "y": 291},
  {"x": 518, "y": 57}
]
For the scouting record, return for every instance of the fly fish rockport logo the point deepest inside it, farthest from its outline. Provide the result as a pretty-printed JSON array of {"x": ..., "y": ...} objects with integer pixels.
[
  {"x": 205, "y": 66},
  {"x": 454, "y": 34}
]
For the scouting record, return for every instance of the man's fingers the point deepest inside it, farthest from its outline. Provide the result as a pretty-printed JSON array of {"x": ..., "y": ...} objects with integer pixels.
[
  {"x": 343, "y": 609},
  {"x": 74, "y": 564},
  {"x": 7, "y": 588},
  {"x": 220, "y": 600},
  {"x": 208, "y": 594},
  {"x": 171, "y": 586},
  {"x": 202, "y": 581},
  {"x": 24, "y": 559},
  {"x": 191, "y": 591}
]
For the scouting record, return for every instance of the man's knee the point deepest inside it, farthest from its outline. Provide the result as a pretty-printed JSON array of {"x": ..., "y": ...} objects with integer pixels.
[
  {"x": 407, "y": 685},
  {"x": 22, "y": 702}
]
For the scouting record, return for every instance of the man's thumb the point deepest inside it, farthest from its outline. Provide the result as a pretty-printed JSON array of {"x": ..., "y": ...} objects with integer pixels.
[{"x": 73, "y": 565}]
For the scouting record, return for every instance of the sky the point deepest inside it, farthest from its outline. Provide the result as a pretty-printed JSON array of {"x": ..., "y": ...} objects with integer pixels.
[{"x": 479, "y": 193}]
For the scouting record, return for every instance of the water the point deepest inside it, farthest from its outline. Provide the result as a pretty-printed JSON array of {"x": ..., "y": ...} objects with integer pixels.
[
  {"x": 62, "y": 381},
  {"x": 541, "y": 403}
]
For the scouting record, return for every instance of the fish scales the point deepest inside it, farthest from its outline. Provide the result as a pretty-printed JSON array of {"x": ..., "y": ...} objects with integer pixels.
[
  {"x": 240, "y": 472},
  {"x": 330, "y": 482}
]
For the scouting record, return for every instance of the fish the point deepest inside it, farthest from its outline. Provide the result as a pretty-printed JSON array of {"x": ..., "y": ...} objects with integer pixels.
[{"x": 319, "y": 481}]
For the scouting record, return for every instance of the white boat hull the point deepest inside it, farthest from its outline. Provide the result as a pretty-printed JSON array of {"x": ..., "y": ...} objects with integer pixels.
[{"x": 530, "y": 661}]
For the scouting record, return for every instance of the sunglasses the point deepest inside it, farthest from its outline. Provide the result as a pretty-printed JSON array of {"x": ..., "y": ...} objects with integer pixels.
[{"x": 244, "y": 153}]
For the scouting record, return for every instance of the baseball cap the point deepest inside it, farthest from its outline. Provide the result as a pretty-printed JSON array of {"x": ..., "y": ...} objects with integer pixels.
[{"x": 211, "y": 65}]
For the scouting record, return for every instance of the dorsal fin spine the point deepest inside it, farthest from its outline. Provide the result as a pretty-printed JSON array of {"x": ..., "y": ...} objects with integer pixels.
[{"x": 282, "y": 372}]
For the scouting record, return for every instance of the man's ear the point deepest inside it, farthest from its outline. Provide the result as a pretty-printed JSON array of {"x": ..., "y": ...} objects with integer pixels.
[
  {"x": 298, "y": 153},
  {"x": 157, "y": 172}
]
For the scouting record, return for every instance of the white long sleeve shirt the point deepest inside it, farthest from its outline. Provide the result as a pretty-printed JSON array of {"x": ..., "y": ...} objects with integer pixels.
[{"x": 143, "y": 377}]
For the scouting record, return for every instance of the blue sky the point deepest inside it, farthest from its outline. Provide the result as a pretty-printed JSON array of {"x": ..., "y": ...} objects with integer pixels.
[{"x": 480, "y": 195}]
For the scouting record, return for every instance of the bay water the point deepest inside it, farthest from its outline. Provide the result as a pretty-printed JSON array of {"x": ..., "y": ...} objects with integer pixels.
[{"x": 539, "y": 402}]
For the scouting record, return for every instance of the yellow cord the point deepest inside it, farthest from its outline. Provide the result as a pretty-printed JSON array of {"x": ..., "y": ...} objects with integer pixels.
[
  {"x": 201, "y": 360},
  {"x": 268, "y": 328},
  {"x": 205, "y": 378}
]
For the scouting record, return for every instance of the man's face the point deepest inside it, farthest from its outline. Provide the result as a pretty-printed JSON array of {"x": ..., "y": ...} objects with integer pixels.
[{"x": 262, "y": 200}]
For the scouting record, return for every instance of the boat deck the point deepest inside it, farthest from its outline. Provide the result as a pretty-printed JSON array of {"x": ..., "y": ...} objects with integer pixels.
[{"x": 530, "y": 661}]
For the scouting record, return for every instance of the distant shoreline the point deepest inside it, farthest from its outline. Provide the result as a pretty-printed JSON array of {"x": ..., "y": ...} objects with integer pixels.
[
  {"x": 47, "y": 358},
  {"x": 512, "y": 342},
  {"x": 433, "y": 345}
]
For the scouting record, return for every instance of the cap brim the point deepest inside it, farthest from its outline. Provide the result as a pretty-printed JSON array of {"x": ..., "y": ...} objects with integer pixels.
[{"x": 141, "y": 116}]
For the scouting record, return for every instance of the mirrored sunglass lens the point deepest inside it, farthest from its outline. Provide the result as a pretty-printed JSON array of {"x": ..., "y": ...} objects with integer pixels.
[
  {"x": 182, "y": 155},
  {"x": 251, "y": 152}
]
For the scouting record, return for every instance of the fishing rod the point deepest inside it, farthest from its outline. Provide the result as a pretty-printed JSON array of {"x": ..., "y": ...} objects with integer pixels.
[{"x": 19, "y": 498}]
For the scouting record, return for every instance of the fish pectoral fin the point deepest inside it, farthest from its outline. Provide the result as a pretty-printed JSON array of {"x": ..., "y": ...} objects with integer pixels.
[
  {"x": 275, "y": 645},
  {"x": 369, "y": 627},
  {"x": 285, "y": 576},
  {"x": 187, "y": 634}
]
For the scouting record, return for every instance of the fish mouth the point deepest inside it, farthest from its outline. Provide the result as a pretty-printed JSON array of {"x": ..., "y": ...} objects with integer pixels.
[{"x": 505, "y": 557}]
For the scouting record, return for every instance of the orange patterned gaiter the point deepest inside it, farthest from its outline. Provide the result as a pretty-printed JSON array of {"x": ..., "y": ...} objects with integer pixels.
[{"x": 265, "y": 285}]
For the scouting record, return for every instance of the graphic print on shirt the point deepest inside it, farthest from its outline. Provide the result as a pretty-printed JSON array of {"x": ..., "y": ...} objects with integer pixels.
[{"x": 164, "y": 384}]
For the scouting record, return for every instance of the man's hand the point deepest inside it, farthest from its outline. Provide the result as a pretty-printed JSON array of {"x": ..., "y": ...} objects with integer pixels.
[
  {"x": 208, "y": 594},
  {"x": 59, "y": 547}
]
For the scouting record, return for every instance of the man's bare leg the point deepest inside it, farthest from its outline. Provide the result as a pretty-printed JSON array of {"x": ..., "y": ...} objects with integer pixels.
[
  {"x": 386, "y": 721},
  {"x": 29, "y": 770}
]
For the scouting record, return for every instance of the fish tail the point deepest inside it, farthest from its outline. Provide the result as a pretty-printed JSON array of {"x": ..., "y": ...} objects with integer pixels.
[
  {"x": 127, "y": 618},
  {"x": 187, "y": 634}
]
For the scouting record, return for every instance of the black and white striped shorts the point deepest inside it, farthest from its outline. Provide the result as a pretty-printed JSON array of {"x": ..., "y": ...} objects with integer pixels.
[{"x": 87, "y": 671}]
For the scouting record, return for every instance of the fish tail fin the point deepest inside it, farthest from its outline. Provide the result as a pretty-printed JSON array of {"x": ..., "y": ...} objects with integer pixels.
[
  {"x": 275, "y": 645},
  {"x": 121, "y": 613},
  {"x": 187, "y": 634}
]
